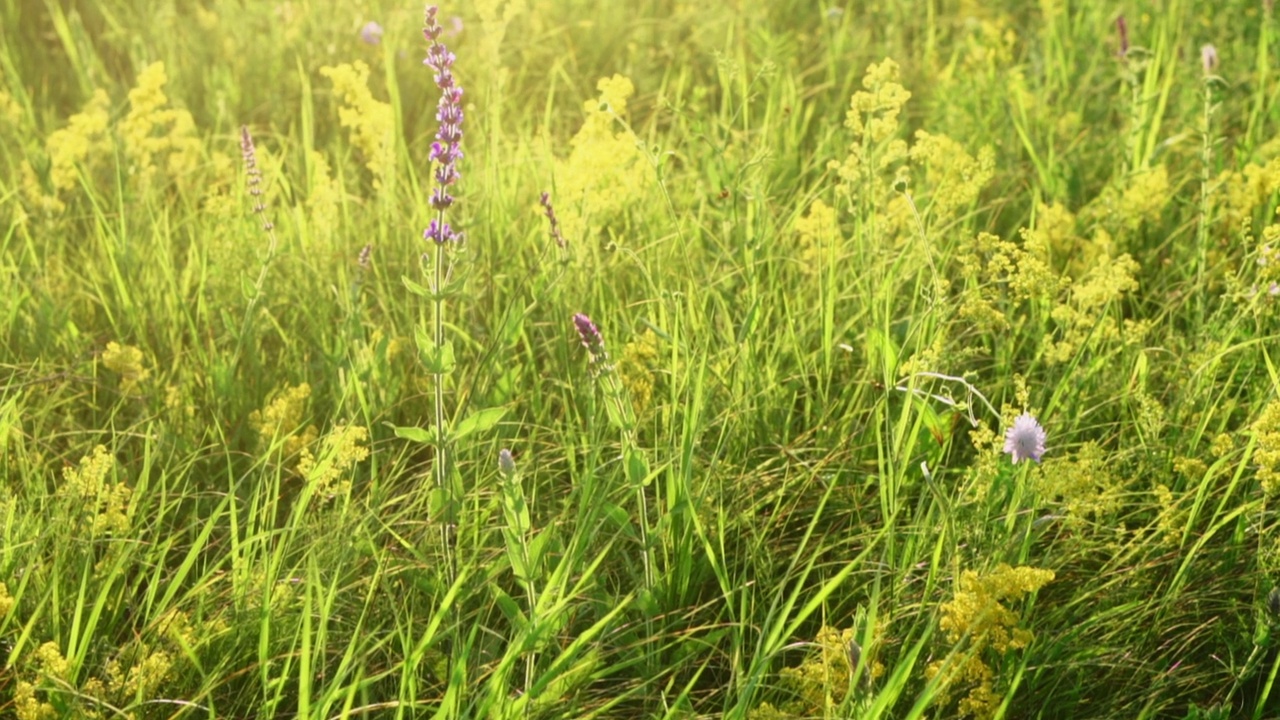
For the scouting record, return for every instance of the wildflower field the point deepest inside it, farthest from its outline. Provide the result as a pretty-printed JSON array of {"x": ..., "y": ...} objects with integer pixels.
[{"x": 567, "y": 359}]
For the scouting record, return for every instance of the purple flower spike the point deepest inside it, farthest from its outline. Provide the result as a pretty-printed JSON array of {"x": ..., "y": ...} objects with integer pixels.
[
  {"x": 1024, "y": 439},
  {"x": 550, "y": 212},
  {"x": 590, "y": 335},
  {"x": 439, "y": 233},
  {"x": 446, "y": 151}
]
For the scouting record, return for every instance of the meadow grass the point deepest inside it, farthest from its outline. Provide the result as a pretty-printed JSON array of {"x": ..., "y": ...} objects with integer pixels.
[{"x": 716, "y": 427}]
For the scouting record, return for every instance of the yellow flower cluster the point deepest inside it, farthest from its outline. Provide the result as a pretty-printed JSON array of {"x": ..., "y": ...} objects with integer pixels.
[
  {"x": 370, "y": 121},
  {"x": 6, "y": 601},
  {"x": 109, "y": 504},
  {"x": 151, "y": 129},
  {"x": 820, "y": 682},
  {"x": 81, "y": 144},
  {"x": 282, "y": 419},
  {"x": 341, "y": 449},
  {"x": 873, "y": 119},
  {"x": 1002, "y": 273},
  {"x": 1082, "y": 320},
  {"x": 978, "y": 616},
  {"x": 50, "y": 666},
  {"x": 1171, "y": 519},
  {"x": 324, "y": 198},
  {"x": 1083, "y": 485},
  {"x": 1145, "y": 197},
  {"x": 1266, "y": 430},
  {"x": 27, "y": 707},
  {"x": 817, "y": 233},
  {"x": 84, "y": 138},
  {"x": 135, "y": 674},
  {"x": 605, "y": 171},
  {"x": 1246, "y": 190},
  {"x": 636, "y": 369},
  {"x": 10, "y": 110},
  {"x": 126, "y": 361},
  {"x": 86, "y": 480},
  {"x": 954, "y": 176}
]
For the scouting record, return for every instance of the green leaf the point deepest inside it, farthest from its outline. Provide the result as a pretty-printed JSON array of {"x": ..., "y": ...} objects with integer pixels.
[
  {"x": 416, "y": 434},
  {"x": 415, "y": 288},
  {"x": 637, "y": 468},
  {"x": 478, "y": 422},
  {"x": 437, "y": 359}
]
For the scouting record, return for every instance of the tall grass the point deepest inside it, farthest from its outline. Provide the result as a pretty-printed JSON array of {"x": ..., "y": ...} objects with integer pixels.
[{"x": 820, "y": 257}]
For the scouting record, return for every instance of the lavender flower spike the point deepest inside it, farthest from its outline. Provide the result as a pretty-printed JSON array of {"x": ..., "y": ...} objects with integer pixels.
[
  {"x": 590, "y": 335},
  {"x": 1024, "y": 439},
  {"x": 446, "y": 151}
]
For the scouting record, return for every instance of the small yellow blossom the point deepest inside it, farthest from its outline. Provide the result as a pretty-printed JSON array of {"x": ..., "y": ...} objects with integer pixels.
[
  {"x": 1145, "y": 197},
  {"x": 636, "y": 369},
  {"x": 151, "y": 129},
  {"x": 27, "y": 707},
  {"x": 6, "y": 601},
  {"x": 370, "y": 121},
  {"x": 126, "y": 361},
  {"x": 953, "y": 175},
  {"x": 282, "y": 419},
  {"x": 1266, "y": 430},
  {"x": 341, "y": 449},
  {"x": 87, "y": 480},
  {"x": 1082, "y": 484},
  {"x": 818, "y": 233},
  {"x": 1222, "y": 445},
  {"x": 51, "y": 663},
  {"x": 605, "y": 172}
]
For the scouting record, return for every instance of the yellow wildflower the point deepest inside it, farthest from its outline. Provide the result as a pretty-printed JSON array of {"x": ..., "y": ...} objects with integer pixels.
[
  {"x": 605, "y": 171},
  {"x": 84, "y": 138},
  {"x": 1266, "y": 430},
  {"x": 977, "y": 615},
  {"x": 126, "y": 361},
  {"x": 10, "y": 110},
  {"x": 1083, "y": 484},
  {"x": 87, "y": 479},
  {"x": 282, "y": 419},
  {"x": 818, "y": 233},
  {"x": 873, "y": 119},
  {"x": 636, "y": 369},
  {"x": 324, "y": 198},
  {"x": 1145, "y": 197},
  {"x": 6, "y": 601},
  {"x": 27, "y": 707},
  {"x": 342, "y": 448},
  {"x": 147, "y": 115},
  {"x": 954, "y": 176},
  {"x": 370, "y": 121}
]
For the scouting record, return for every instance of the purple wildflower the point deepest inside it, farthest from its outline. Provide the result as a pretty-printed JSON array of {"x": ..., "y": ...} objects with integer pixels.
[
  {"x": 506, "y": 463},
  {"x": 440, "y": 233},
  {"x": 446, "y": 151},
  {"x": 1122, "y": 29},
  {"x": 1024, "y": 439},
  {"x": 550, "y": 212},
  {"x": 590, "y": 335},
  {"x": 1209, "y": 59},
  {"x": 371, "y": 33},
  {"x": 250, "y": 155}
]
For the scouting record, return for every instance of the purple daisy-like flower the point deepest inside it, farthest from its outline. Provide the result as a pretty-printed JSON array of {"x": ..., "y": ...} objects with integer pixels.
[{"x": 1024, "y": 439}]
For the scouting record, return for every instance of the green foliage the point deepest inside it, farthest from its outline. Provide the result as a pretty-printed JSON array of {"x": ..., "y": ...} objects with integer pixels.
[{"x": 249, "y": 418}]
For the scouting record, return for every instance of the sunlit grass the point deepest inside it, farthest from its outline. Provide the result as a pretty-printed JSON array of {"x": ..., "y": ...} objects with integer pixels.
[{"x": 705, "y": 414}]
